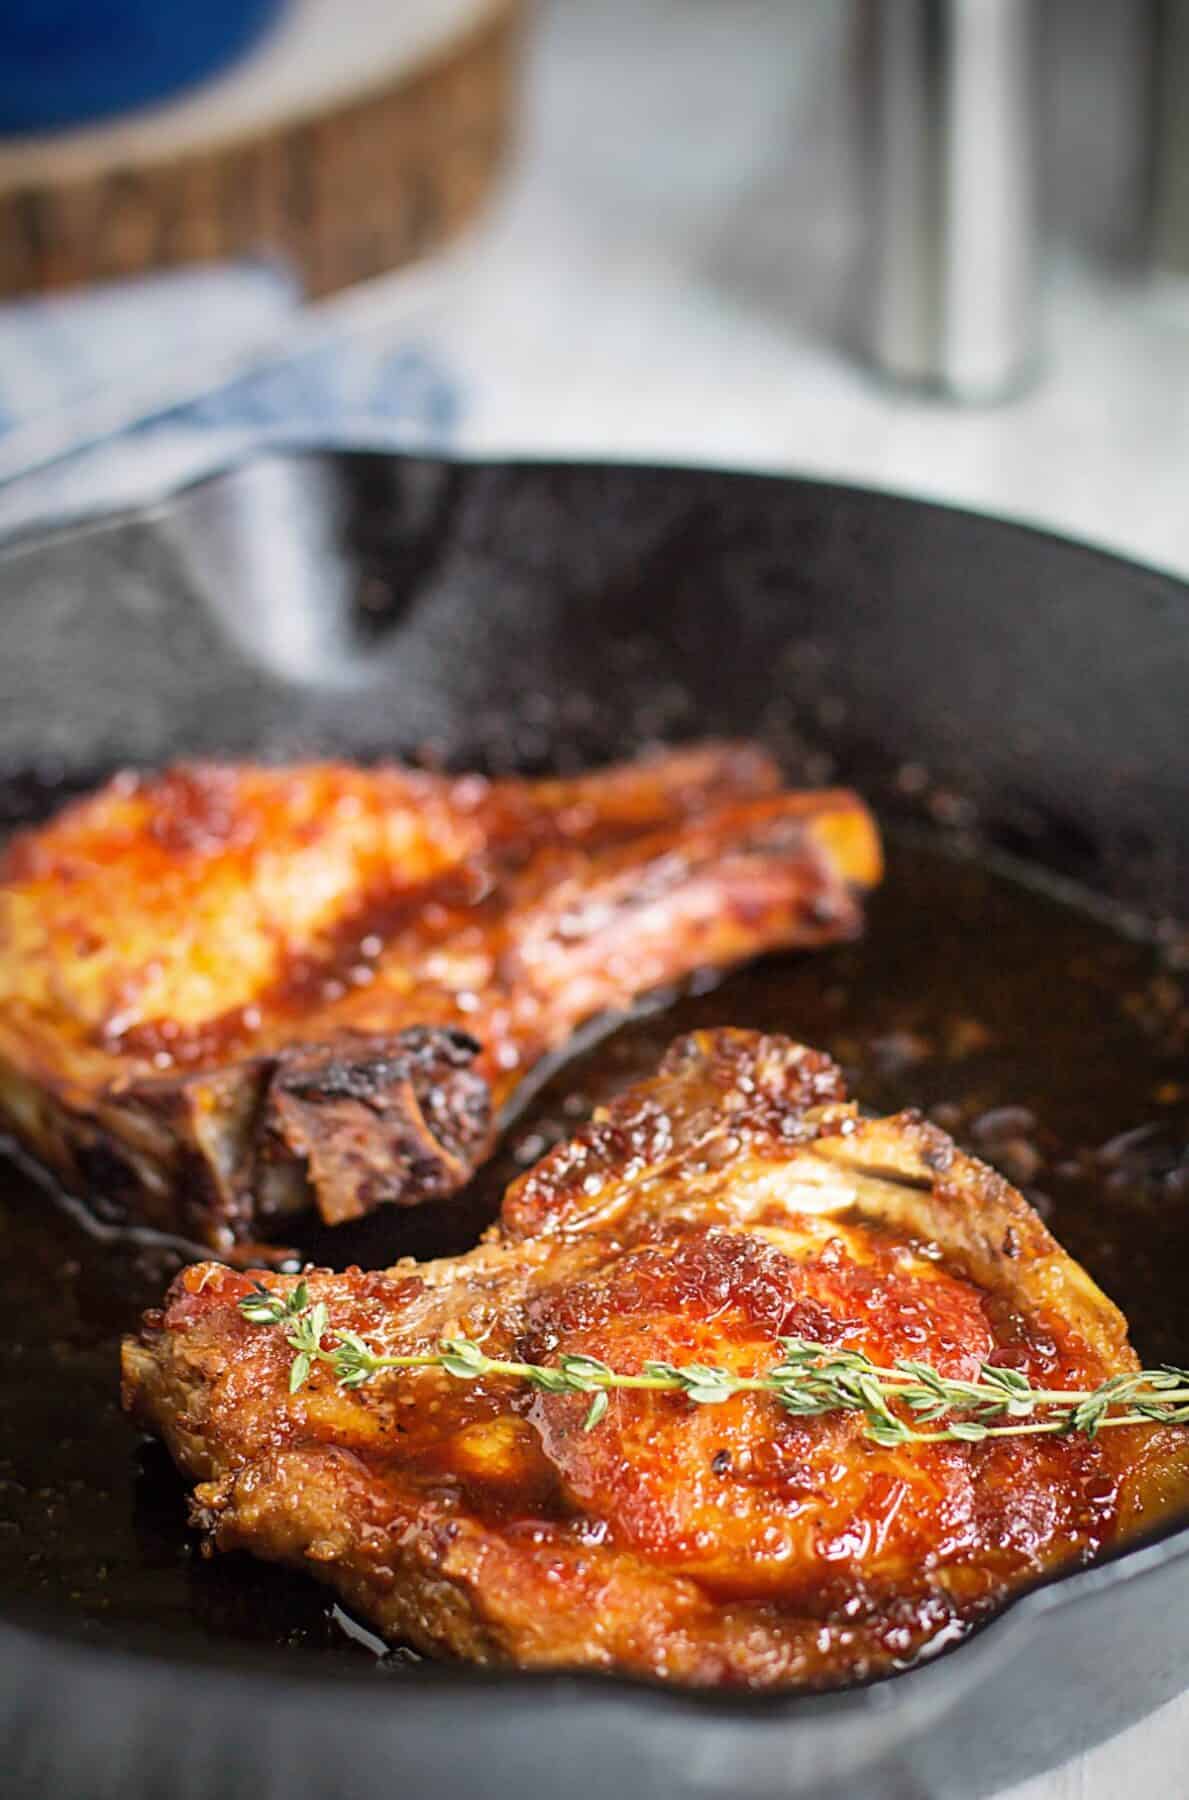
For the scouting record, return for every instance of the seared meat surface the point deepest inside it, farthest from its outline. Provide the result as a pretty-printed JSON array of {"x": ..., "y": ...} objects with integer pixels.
[
  {"x": 735, "y": 1197},
  {"x": 230, "y": 993}
]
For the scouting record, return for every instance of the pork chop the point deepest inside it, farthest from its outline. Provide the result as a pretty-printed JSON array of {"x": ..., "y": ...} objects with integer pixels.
[
  {"x": 230, "y": 993},
  {"x": 734, "y": 1199}
]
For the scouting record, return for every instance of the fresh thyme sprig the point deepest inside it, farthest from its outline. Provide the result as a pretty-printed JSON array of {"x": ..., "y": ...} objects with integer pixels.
[{"x": 808, "y": 1381}]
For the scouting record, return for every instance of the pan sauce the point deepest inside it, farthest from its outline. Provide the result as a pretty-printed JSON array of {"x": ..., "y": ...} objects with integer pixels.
[{"x": 1044, "y": 1039}]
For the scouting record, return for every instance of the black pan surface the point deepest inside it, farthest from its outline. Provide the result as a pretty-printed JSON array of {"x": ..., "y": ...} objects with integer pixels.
[{"x": 1013, "y": 706}]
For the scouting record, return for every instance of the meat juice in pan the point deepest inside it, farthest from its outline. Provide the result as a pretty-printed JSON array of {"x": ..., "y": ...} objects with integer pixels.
[{"x": 1046, "y": 1040}]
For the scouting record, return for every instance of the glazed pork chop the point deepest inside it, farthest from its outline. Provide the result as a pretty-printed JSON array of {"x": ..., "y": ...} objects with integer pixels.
[
  {"x": 735, "y": 1198},
  {"x": 228, "y": 994}
]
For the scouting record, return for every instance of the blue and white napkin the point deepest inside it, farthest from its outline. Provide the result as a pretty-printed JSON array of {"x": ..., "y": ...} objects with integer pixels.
[{"x": 112, "y": 395}]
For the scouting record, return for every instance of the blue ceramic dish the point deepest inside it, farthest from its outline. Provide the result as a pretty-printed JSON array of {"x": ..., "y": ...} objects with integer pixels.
[{"x": 68, "y": 62}]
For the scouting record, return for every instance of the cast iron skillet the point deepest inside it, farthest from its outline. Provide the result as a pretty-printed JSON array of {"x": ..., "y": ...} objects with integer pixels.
[{"x": 994, "y": 691}]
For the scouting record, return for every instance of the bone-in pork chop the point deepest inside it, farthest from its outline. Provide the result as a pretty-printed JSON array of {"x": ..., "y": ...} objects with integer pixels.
[
  {"x": 228, "y": 993},
  {"x": 736, "y": 1198}
]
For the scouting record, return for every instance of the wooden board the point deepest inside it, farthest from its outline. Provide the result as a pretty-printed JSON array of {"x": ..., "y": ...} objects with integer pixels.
[{"x": 358, "y": 136}]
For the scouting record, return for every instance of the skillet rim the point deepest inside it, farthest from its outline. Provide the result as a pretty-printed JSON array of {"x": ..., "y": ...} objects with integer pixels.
[{"x": 20, "y": 539}]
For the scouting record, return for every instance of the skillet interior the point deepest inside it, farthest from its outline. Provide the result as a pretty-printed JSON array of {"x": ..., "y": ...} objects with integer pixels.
[{"x": 999, "y": 688}]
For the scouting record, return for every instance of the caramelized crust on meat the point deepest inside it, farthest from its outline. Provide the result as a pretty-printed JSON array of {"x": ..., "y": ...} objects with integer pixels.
[
  {"x": 230, "y": 993},
  {"x": 736, "y": 1197}
]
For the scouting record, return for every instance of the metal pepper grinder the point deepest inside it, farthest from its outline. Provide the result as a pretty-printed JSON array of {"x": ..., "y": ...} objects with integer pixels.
[{"x": 951, "y": 130}]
